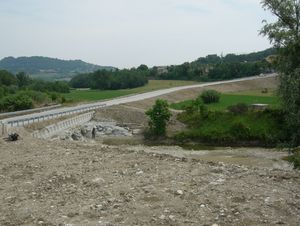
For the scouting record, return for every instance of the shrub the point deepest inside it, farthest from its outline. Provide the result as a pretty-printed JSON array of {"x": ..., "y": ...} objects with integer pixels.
[
  {"x": 36, "y": 96},
  {"x": 210, "y": 96},
  {"x": 15, "y": 103},
  {"x": 63, "y": 100},
  {"x": 240, "y": 130},
  {"x": 159, "y": 115},
  {"x": 294, "y": 159},
  {"x": 54, "y": 96},
  {"x": 238, "y": 109}
]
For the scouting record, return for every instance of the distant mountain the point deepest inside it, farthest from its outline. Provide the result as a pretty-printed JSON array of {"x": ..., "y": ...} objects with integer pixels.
[{"x": 49, "y": 68}]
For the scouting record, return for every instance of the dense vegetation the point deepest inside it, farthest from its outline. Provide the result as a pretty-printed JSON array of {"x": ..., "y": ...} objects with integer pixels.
[
  {"x": 210, "y": 96},
  {"x": 45, "y": 67},
  {"x": 214, "y": 67},
  {"x": 20, "y": 92},
  {"x": 111, "y": 80},
  {"x": 236, "y": 124},
  {"x": 285, "y": 36}
]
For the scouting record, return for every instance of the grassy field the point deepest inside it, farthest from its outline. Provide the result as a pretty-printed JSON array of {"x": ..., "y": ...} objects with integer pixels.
[
  {"x": 227, "y": 99},
  {"x": 95, "y": 95}
]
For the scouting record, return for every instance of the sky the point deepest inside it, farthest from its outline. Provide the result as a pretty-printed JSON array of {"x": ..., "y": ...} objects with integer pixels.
[{"x": 127, "y": 33}]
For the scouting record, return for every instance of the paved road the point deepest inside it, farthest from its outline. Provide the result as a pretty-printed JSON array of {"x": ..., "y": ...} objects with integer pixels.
[{"x": 122, "y": 100}]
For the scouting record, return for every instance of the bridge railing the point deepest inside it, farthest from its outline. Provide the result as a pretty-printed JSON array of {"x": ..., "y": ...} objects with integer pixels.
[
  {"x": 29, "y": 120},
  {"x": 15, "y": 113}
]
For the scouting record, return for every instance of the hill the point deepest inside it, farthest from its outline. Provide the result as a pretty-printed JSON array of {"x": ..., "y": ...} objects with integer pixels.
[
  {"x": 214, "y": 67},
  {"x": 48, "y": 68},
  {"x": 236, "y": 58}
]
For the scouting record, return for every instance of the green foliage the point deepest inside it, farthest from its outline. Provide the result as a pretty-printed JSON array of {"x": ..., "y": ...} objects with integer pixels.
[
  {"x": 294, "y": 158},
  {"x": 210, "y": 96},
  {"x": 214, "y": 67},
  {"x": 224, "y": 128},
  {"x": 284, "y": 34},
  {"x": 36, "y": 96},
  {"x": 25, "y": 99},
  {"x": 43, "y": 86},
  {"x": 7, "y": 79},
  {"x": 159, "y": 116},
  {"x": 238, "y": 109},
  {"x": 240, "y": 130},
  {"x": 23, "y": 79},
  {"x": 111, "y": 80},
  {"x": 143, "y": 67},
  {"x": 238, "y": 126},
  {"x": 15, "y": 103},
  {"x": 63, "y": 100}
]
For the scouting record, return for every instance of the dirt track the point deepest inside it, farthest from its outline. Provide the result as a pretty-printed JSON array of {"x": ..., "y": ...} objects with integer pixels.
[{"x": 62, "y": 183}]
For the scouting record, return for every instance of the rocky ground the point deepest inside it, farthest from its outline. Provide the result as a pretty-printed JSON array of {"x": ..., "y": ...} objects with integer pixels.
[
  {"x": 96, "y": 130},
  {"x": 72, "y": 183}
]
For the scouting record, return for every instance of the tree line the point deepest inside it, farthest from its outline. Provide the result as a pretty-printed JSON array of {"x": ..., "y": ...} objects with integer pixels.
[
  {"x": 111, "y": 80},
  {"x": 20, "y": 92},
  {"x": 214, "y": 67}
]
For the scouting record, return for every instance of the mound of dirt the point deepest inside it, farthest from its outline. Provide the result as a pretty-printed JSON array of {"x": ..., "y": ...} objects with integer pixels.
[
  {"x": 122, "y": 114},
  {"x": 67, "y": 183}
]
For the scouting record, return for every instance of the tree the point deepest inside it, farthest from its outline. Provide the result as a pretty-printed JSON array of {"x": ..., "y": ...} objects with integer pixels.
[
  {"x": 159, "y": 116},
  {"x": 23, "y": 79},
  {"x": 6, "y": 78},
  {"x": 284, "y": 34},
  {"x": 210, "y": 96},
  {"x": 143, "y": 67}
]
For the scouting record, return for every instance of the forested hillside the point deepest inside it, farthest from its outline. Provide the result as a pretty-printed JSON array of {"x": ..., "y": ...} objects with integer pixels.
[
  {"x": 48, "y": 68},
  {"x": 214, "y": 67}
]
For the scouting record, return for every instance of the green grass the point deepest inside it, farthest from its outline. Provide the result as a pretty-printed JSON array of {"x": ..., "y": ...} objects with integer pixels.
[
  {"x": 96, "y": 95},
  {"x": 229, "y": 99}
]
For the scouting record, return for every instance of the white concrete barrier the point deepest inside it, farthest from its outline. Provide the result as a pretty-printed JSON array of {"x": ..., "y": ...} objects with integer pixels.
[
  {"x": 40, "y": 117},
  {"x": 3, "y": 129},
  {"x": 56, "y": 128}
]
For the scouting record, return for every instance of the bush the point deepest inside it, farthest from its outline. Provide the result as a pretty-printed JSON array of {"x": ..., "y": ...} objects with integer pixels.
[
  {"x": 210, "y": 96},
  {"x": 238, "y": 109},
  {"x": 294, "y": 159},
  {"x": 15, "y": 103},
  {"x": 36, "y": 96},
  {"x": 159, "y": 115},
  {"x": 240, "y": 130}
]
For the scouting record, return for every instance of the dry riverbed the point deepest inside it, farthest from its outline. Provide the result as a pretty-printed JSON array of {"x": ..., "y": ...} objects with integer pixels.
[{"x": 71, "y": 183}]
